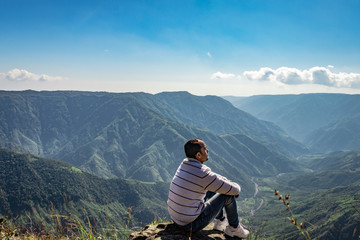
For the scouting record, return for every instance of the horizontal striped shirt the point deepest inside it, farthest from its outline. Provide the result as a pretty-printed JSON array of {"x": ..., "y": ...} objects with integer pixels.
[{"x": 189, "y": 186}]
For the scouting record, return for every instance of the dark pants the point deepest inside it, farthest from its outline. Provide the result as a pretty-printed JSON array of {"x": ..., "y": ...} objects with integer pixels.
[{"x": 214, "y": 208}]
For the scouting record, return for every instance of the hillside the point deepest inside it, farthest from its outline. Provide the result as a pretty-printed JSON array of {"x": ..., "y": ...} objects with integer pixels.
[
  {"x": 326, "y": 199},
  {"x": 131, "y": 135},
  {"x": 338, "y": 169},
  {"x": 32, "y": 188},
  {"x": 326, "y": 122},
  {"x": 341, "y": 160},
  {"x": 326, "y": 214}
]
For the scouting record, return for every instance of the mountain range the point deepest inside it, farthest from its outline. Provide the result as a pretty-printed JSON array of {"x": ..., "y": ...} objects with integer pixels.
[
  {"x": 323, "y": 122},
  {"x": 141, "y": 136}
]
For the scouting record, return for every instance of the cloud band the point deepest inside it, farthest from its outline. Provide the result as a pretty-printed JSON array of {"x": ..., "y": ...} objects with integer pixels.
[{"x": 315, "y": 75}]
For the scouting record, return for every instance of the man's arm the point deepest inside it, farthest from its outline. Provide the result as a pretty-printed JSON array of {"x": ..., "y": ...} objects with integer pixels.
[{"x": 220, "y": 184}]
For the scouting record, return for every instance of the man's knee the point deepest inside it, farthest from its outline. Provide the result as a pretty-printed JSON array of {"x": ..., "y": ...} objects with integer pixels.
[{"x": 228, "y": 198}]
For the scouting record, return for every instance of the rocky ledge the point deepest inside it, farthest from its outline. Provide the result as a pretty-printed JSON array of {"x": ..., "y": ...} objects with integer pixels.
[{"x": 169, "y": 231}]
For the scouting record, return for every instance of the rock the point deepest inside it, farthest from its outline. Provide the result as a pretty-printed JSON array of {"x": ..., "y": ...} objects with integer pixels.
[{"x": 170, "y": 231}]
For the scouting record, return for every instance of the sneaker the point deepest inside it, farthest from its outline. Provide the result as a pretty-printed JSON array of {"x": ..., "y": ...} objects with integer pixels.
[
  {"x": 240, "y": 231},
  {"x": 220, "y": 225}
]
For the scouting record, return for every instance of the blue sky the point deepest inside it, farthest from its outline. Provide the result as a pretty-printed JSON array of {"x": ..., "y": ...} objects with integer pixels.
[{"x": 243, "y": 47}]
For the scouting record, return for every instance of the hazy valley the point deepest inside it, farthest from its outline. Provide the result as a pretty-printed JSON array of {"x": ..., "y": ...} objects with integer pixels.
[{"x": 324, "y": 122}]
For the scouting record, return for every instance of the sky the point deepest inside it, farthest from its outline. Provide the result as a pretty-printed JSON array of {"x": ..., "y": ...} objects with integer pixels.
[{"x": 207, "y": 47}]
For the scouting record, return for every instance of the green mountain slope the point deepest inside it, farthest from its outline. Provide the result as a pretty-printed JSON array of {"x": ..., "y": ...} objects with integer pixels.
[
  {"x": 31, "y": 188},
  {"x": 337, "y": 217},
  {"x": 303, "y": 115},
  {"x": 325, "y": 199},
  {"x": 128, "y": 135}
]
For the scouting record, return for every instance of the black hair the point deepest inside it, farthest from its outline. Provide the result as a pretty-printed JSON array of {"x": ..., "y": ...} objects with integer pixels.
[{"x": 192, "y": 147}]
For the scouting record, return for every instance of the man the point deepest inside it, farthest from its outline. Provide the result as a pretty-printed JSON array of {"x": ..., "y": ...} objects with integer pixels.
[{"x": 186, "y": 204}]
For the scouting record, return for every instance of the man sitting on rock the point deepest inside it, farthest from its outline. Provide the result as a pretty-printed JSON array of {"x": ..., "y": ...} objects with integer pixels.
[{"x": 186, "y": 204}]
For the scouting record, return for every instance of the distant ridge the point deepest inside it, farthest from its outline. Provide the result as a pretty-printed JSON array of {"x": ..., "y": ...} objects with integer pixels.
[
  {"x": 323, "y": 121},
  {"x": 219, "y": 116}
]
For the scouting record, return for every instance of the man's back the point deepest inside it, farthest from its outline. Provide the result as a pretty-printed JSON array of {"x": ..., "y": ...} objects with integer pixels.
[{"x": 189, "y": 186}]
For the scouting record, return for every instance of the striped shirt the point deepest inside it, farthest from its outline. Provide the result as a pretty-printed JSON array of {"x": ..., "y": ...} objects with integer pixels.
[{"x": 189, "y": 186}]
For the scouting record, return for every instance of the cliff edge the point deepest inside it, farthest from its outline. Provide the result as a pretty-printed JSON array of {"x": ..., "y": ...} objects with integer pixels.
[{"x": 169, "y": 231}]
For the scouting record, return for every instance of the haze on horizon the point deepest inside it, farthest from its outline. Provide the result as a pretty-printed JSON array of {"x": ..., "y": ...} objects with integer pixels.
[{"x": 238, "y": 48}]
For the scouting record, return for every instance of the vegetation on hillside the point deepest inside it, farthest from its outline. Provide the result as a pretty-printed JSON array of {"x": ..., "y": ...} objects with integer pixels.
[
  {"x": 326, "y": 213},
  {"x": 32, "y": 189},
  {"x": 64, "y": 196}
]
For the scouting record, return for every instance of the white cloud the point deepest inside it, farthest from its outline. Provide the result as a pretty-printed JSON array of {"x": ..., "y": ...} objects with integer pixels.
[
  {"x": 209, "y": 54},
  {"x": 314, "y": 75},
  {"x": 21, "y": 75},
  {"x": 262, "y": 75},
  {"x": 220, "y": 75}
]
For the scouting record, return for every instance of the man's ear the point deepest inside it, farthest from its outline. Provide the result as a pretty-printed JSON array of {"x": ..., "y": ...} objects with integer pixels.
[{"x": 197, "y": 155}]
